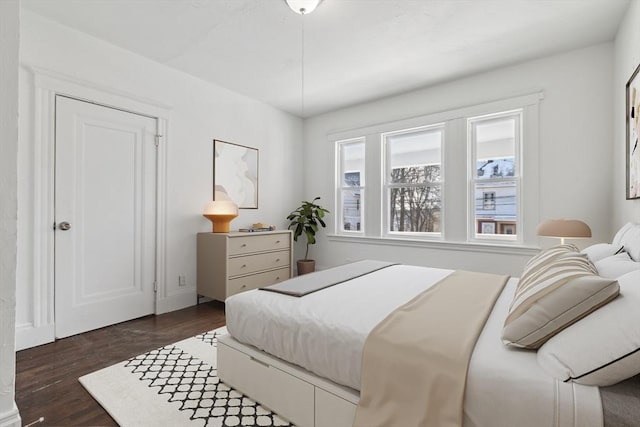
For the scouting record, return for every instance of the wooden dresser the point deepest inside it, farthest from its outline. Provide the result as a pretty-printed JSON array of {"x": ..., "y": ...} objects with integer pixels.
[{"x": 229, "y": 263}]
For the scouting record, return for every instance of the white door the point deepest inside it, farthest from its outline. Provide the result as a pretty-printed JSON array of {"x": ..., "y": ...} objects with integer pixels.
[{"x": 105, "y": 216}]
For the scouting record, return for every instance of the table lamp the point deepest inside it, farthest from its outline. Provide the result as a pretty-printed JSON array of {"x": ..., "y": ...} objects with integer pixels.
[
  {"x": 564, "y": 229},
  {"x": 220, "y": 211}
]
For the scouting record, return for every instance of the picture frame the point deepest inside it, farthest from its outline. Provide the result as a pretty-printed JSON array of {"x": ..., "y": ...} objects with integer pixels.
[
  {"x": 632, "y": 134},
  {"x": 235, "y": 168}
]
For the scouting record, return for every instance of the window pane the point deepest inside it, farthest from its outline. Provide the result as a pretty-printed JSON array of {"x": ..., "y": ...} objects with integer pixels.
[
  {"x": 352, "y": 155},
  {"x": 351, "y": 210},
  {"x": 495, "y": 148},
  {"x": 495, "y": 168},
  {"x": 415, "y": 174},
  {"x": 415, "y": 209},
  {"x": 496, "y": 207},
  {"x": 415, "y": 157}
]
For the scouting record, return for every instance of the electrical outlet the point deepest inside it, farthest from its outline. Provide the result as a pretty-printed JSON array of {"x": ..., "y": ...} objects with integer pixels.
[{"x": 182, "y": 281}]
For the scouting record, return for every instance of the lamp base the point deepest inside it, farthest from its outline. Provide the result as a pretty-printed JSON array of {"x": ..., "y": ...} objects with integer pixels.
[{"x": 220, "y": 223}]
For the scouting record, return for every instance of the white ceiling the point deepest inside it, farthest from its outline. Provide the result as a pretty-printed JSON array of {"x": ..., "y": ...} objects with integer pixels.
[{"x": 355, "y": 50}]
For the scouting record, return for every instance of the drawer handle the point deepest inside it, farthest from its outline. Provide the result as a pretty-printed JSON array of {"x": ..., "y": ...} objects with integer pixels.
[
  {"x": 277, "y": 259},
  {"x": 244, "y": 245},
  {"x": 277, "y": 278},
  {"x": 277, "y": 241},
  {"x": 244, "y": 266},
  {"x": 253, "y": 359},
  {"x": 243, "y": 286}
]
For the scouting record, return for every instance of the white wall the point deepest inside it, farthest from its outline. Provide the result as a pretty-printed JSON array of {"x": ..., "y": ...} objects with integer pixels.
[
  {"x": 198, "y": 113},
  {"x": 626, "y": 59},
  {"x": 9, "y": 56},
  {"x": 575, "y": 150}
]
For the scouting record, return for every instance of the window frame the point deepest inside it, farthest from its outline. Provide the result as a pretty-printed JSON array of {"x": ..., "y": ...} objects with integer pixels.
[
  {"x": 472, "y": 234},
  {"x": 340, "y": 188},
  {"x": 387, "y": 186}
]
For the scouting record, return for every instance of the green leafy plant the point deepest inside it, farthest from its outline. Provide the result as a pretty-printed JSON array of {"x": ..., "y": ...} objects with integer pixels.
[{"x": 306, "y": 219}]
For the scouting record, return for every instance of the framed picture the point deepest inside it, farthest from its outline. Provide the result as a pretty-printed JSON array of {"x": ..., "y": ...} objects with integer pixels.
[
  {"x": 235, "y": 167},
  {"x": 633, "y": 131}
]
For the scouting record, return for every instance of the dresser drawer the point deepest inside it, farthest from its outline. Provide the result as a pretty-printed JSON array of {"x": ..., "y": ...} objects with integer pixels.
[
  {"x": 255, "y": 281},
  {"x": 255, "y": 263},
  {"x": 248, "y": 244}
]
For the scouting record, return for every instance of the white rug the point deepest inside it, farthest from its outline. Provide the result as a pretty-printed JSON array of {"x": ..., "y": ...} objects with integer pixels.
[{"x": 176, "y": 385}]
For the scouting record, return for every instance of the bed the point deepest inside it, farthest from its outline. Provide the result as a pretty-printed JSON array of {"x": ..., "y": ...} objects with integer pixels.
[{"x": 302, "y": 357}]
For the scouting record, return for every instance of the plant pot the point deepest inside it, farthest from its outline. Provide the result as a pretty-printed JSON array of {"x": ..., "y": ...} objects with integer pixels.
[{"x": 306, "y": 266}]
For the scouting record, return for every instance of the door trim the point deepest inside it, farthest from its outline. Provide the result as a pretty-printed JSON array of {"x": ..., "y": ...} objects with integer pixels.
[{"x": 46, "y": 86}]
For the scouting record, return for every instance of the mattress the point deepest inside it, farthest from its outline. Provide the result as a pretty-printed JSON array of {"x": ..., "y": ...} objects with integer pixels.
[{"x": 324, "y": 333}]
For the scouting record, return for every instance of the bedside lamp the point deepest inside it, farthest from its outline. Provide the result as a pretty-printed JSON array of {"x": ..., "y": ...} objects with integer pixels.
[
  {"x": 220, "y": 211},
  {"x": 564, "y": 229}
]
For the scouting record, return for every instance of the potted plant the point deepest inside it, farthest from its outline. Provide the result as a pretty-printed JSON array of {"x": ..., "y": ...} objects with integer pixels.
[{"x": 305, "y": 220}]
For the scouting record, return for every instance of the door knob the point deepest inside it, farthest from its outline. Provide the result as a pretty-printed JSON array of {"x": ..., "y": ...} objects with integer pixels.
[{"x": 64, "y": 226}]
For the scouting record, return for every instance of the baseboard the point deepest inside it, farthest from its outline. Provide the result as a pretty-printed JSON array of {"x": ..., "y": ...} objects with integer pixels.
[
  {"x": 176, "y": 302},
  {"x": 11, "y": 418},
  {"x": 28, "y": 336}
]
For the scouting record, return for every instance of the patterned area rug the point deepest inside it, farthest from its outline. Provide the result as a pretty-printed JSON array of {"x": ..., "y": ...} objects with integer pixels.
[{"x": 176, "y": 385}]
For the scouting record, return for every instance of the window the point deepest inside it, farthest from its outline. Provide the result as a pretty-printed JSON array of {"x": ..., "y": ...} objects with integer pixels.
[
  {"x": 351, "y": 155},
  {"x": 449, "y": 177},
  {"x": 489, "y": 200},
  {"x": 413, "y": 180},
  {"x": 495, "y": 174}
]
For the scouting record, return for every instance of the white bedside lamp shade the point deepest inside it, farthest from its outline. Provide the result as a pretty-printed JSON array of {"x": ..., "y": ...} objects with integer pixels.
[
  {"x": 221, "y": 211},
  {"x": 564, "y": 229}
]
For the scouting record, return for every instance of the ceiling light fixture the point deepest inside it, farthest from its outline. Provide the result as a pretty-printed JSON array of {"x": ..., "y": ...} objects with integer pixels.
[{"x": 303, "y": 7}]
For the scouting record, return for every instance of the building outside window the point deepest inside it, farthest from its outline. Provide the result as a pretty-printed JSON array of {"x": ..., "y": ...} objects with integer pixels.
[{"x": 489, "y": 200}]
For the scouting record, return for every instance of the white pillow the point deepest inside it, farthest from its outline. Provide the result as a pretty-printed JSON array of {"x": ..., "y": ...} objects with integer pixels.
[
  {"x": 631, "y": 241},
  {"x": 617, "y": 239},
  {"x": 603, "y": 348},
  {"x": 599, "y": 251},
  {"x": 615, "y": 266}
]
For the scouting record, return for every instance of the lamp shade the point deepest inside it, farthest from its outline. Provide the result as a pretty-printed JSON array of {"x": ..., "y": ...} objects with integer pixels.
[
  {"x": 303, "y": 7},
  {"x": 564, "y": 228},
  {"x": 220, "y": 213}
]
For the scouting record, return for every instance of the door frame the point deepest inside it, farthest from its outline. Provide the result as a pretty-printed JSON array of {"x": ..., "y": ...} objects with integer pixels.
[{"x": 46, "y": 86}]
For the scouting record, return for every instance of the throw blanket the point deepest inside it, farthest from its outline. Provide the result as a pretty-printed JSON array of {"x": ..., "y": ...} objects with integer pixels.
[
  {"x": 303, "y": 285},
  {"x": 414, "y": 365}
]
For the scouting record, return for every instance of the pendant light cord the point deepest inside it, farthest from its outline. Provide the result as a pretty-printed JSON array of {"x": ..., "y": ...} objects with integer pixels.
[{"x": 302, "y": 68}]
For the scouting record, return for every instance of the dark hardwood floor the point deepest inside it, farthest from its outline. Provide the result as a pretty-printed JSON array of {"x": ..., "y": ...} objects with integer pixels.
[{"x": 47, "y": 376}]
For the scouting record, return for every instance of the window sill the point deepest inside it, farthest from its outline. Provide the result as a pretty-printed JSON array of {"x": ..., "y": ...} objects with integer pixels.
[{"x": 495, "y": 248}]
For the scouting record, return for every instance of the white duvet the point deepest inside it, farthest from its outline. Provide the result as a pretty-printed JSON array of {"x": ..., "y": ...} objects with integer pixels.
[{"x": 324, "y": 332}]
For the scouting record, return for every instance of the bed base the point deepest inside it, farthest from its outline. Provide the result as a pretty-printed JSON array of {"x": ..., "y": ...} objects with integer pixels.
[{"x": 296, "y": 394}]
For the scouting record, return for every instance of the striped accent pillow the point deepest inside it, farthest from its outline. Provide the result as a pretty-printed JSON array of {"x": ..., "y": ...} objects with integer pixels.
[
  {"x": 555, "y": 290},
  {"x": 550, "y": 254}
]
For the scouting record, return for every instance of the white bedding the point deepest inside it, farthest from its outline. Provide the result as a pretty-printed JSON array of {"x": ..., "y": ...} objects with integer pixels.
[{"x": 324, "y": 332}]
